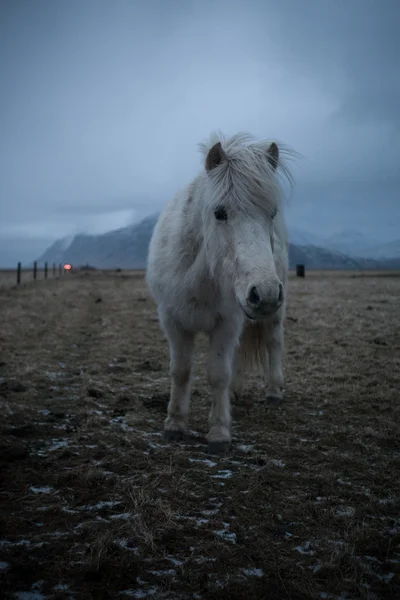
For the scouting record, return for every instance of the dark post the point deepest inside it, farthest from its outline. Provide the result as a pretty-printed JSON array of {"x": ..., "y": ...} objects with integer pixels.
[
  {"x": 19, "y": 273},
  {"x": 45, "y": 270},
  {"x": 300, "y": 271},
  {"x": 59, "y": 270},
  {"x": 34, "y": 270},
  {"x": 54, "y": 269}
]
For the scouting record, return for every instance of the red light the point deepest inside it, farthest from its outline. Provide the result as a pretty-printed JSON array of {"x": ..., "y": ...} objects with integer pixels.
[{"x": 67, "y": 267}]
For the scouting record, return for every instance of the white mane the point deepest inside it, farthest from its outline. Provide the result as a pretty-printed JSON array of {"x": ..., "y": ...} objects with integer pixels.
[{"x": 247, "y": 178}]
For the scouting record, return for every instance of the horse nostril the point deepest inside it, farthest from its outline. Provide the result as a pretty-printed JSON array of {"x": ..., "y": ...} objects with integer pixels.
[
  {"x": 280, "y": 294},
  {"x": 254, "y": 298}
]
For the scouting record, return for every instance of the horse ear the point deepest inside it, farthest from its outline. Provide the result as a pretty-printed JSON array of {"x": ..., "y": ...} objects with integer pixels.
[
  {"x": 273, "y": 155},
  {"x": 215, "y": 157}
]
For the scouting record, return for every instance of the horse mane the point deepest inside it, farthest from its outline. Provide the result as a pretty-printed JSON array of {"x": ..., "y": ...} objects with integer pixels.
[{"x": 247, "y": 179}]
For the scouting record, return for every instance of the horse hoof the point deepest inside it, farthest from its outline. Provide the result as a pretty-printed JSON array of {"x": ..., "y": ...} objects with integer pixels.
[
  {"x": 218, "y": 447},
  {"x": 173, "y": 435},
  {"x": 274, "y": 399}
]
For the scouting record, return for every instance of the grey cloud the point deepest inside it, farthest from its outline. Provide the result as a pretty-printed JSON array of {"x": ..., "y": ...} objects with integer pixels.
[{"x": 103, "y": 104}]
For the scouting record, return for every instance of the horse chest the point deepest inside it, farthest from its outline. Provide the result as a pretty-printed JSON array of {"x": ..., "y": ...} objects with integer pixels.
[{"x": 200, "y": 309}]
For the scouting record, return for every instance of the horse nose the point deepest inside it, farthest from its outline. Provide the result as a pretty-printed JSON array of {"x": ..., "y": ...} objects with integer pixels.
[
  {"x": 268, "y": 300},
  {"x": 254, "y": 297}
]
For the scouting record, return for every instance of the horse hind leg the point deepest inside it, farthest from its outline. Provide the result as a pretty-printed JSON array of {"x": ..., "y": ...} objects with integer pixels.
[
  {"x": 237, "y": 379},
  {"x": 181, "y": 345}
]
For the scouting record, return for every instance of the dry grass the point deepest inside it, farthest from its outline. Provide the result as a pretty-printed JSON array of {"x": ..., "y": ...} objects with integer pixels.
[{"x": 94, "y": 505}]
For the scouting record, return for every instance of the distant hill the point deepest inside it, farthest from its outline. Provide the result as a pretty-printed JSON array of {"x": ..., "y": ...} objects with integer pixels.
[
  {"x": 348, "y": 242},
  {"x": 127, "y": 248}
]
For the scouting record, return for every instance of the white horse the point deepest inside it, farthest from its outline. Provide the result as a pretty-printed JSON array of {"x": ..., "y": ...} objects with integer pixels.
[{"x": 217, "y": 263}]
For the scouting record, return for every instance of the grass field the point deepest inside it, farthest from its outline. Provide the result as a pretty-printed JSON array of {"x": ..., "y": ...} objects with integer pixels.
[{"x": 94, "y": 505}]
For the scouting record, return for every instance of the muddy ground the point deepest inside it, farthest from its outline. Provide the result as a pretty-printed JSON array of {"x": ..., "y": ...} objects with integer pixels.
[{"x": 93, "y": 503}]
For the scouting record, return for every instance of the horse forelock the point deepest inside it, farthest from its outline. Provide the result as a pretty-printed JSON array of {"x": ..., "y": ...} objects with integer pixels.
[{"x": 247, "y": 179}]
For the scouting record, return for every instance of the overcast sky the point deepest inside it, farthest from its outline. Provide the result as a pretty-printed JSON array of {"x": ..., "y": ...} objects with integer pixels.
[{"x": 103, "y": 102}]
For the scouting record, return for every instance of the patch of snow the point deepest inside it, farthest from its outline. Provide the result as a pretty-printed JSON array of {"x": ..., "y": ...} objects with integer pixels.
[
  {"x": 125, "y": 545},
  {"x": 386, "y": 578},
  {"x": 163, "y": 573},
  {"x": 344, "y": 511},
  {"x": 57, "y": 444},
  {"x": 246, "y": 448},
  {"x": 210, "y": 513},
  {"x": 4, "y": 566},
  {"x": 44, "y": 489},
  {"x": 123, "y": 516},
  {"x": 101, "y": 505},
  {"x": 385, "y": 501},
  {"x": 224, "y": 474},
  {"x": 315, "y": 568},
  {"x": 29, "y": 595},
  {"x": 343, "y": 482},
  {"x": 62, "y": 587},
  {"x": 44, "y": 412},
  {"x": 253, "y": 572},
  {"x": 140, "y": 593},
  {"x": 34, "y": 594},
  {"x": 277, "y": 463},
  {"x": 203, "y": 559},
  {"x": 305, "y": 548},
  {"x": 205, "y": 461},
  {"x": 226, "y": 535},
  {"x": 175, "y": 561}
]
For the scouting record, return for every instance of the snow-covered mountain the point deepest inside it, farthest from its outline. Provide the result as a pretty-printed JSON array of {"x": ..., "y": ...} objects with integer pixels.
[
  {"x": 349, "y": 242},
  {"x": 127, "y": 248},
  {"x": 299, "y": 237}
]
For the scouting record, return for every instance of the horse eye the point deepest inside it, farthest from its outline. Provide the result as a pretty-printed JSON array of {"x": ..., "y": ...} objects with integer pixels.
[{"x": 220, "y": 214}]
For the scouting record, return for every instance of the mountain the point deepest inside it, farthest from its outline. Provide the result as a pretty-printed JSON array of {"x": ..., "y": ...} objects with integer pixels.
[
  {"x": 299, "y": 237},
  {"x": 127, "y": 248},
  {"x": 352, "y": 243},
  {"x": 388, "y": 250}
]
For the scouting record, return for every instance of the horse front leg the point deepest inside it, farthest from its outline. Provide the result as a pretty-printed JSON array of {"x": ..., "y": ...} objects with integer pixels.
[
  {"x": 221, "y": 358},
  {"x": 275, "y": 347},
  {"x": 181, "y": 344}
]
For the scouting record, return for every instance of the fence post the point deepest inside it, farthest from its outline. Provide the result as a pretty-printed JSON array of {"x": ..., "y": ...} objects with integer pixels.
[
  {"x": 19, "y": 273},
  {"x": 45, "y": 270},
  {"x": 59, "y": 270},
  {"x": 34, "y": 270},
  {"x": 54, "y": 269},
  {"x": 300, "y": 271}
]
